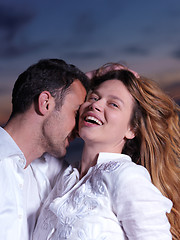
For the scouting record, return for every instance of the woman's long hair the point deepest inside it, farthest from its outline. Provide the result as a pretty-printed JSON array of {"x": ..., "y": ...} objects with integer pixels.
[{"x": 155, "y": 120}]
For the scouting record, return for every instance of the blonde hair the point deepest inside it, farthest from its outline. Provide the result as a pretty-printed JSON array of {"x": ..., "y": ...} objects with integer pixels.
[{"x": 155, "y": 120}]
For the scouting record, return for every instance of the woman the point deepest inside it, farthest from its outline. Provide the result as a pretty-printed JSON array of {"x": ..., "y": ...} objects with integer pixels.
[{"x": 126, "y": 121}]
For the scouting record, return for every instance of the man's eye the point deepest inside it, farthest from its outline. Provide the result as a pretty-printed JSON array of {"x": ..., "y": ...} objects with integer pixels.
[{"x": 92, "y": 98}]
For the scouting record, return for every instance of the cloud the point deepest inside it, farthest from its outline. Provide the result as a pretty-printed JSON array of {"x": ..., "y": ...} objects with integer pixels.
[
  {"x": 176, "y": 53},
  {"x": 14, "y": 50},
  {"x": 83, "y": 29},
  {"x": 90, "y": 22},
  {"x": 174, "y": 90},
  {"x": 86, "y": 55},
  {"x": 85, "y": 24},
  {"x": 12, "y": 19},
  {"x": 4, "y": 90},
  {"x": 135, "y": 50},
  {"x": 174, "y": 12}
]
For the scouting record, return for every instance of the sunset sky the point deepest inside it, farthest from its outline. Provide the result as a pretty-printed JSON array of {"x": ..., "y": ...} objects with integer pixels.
[{"x": 145, "y": 35}]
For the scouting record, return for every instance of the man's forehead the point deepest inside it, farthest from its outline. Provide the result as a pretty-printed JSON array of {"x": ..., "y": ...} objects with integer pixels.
[
  {"x": 78, "y": 87},
  {"x": 77, "y": 92}
]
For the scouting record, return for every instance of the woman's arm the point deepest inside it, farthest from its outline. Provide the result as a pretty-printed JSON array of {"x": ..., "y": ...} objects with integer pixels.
[{"x": 140, "y": 207}]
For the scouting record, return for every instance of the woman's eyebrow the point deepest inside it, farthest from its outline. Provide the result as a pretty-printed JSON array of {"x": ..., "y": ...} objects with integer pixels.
[
  {"x": 109, "y": 96},
  {"x": 116, "y": 98}
]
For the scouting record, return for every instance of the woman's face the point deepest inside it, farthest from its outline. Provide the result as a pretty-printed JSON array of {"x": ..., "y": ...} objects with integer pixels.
[{"x": 105, "y": 116}]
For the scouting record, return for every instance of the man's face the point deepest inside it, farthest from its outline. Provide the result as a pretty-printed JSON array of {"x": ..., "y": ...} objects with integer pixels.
[{"x": 58, "y": 126}]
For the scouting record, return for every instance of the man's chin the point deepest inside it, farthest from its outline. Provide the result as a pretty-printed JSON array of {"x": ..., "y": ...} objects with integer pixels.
[{"x": 59, "y": 154}]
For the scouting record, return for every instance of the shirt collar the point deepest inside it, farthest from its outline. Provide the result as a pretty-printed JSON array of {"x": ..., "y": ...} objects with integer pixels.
[
  {"x": 105, "y": 157},
  {"x": 9, "y": 148}
]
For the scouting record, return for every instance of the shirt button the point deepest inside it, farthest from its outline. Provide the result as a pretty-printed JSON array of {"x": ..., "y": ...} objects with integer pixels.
[
  {"x": 22, "y": 162},
  {"x": 20, "y": 216},
  {"x": 21, "y": 186}
]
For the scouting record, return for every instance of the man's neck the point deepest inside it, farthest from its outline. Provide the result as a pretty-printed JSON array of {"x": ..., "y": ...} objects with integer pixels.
[{"x": 25, "y": 136}]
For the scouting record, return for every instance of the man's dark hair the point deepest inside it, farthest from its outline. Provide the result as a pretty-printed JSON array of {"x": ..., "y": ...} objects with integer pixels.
[{"x": 53, "y": 75}]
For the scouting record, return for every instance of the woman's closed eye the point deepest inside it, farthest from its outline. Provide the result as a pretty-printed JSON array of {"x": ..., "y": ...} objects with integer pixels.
[{"x": 113, "y": 104}]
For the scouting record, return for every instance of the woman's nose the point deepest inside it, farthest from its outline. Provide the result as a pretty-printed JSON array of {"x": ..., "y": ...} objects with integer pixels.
[{"x": 96, "y": 106}]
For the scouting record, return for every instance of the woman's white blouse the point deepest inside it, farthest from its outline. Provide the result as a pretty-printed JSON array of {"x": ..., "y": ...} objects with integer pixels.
[{"x": 114, "y": 200}]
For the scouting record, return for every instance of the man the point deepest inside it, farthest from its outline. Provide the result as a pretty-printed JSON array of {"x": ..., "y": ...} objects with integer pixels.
[{"x": 45, "y": 100}]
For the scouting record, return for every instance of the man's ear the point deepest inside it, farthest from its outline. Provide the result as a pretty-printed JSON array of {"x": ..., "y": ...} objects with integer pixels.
[{"x": 45, "y": 101}]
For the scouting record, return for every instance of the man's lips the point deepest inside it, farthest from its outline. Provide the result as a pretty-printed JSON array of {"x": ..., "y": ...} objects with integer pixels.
[{"x": 67, "y": 142}]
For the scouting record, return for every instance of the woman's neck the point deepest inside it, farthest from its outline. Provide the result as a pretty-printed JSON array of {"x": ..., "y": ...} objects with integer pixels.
[
  {"x": 90, "y": 155},
  {"x": 89, "y": 159}
]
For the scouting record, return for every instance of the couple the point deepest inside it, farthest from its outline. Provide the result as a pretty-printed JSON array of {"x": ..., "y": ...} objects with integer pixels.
[
  {"x": 130, "y": 130},
  {"x": 125, "y": 119}
]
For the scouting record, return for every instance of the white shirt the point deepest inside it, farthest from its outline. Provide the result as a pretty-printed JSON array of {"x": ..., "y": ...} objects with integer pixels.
[
  {"x": 114, "y": 200},
  {"x": 22, "y": 190}
]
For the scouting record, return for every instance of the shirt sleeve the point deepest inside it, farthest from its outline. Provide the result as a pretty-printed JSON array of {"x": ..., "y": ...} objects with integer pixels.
[
  {"x": 12, "y": 218},
  {"x": 140, "y": 207}
]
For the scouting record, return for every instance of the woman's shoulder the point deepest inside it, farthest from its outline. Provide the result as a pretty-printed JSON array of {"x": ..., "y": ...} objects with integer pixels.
[
  {"x": 121, "y": 165},
  {"x": 131, "y": 182}
]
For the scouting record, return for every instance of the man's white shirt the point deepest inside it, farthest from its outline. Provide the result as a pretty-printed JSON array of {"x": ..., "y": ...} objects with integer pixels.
[{"x": 22, "y": 190}]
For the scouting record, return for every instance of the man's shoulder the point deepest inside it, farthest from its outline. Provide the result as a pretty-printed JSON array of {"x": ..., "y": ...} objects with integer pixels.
[{"x": 8, "y": 147}]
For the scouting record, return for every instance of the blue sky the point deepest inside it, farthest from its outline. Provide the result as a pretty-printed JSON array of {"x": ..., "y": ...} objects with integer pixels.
[{"x": 145, "y": 35}]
